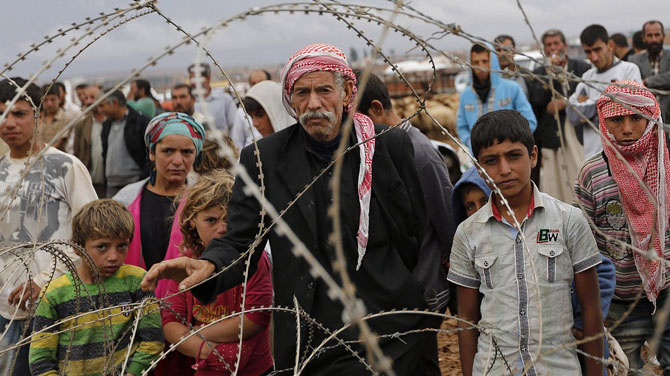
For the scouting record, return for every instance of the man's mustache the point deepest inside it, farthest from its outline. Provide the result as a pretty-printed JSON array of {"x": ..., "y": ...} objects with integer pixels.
[
  {"x": 310, "y": 115},
  {"x": 180, "y": 108}
]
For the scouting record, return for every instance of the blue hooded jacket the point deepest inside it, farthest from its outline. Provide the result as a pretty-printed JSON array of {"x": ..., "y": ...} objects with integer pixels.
[
  {"x": 470, "y": 176},
  {"x": 504, "y": 94}
]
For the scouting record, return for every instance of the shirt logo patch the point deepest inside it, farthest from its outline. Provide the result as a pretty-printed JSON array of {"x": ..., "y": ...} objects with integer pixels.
[
  {"x": 615, "y": 215},
  {"x": 545, "y": 235},
  {"x": 469, "y": 107},
  {"x": 617, "y": 252}
]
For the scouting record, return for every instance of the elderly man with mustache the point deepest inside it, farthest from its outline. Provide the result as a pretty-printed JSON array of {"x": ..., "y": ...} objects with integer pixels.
[{"x": 382, "y": 217}]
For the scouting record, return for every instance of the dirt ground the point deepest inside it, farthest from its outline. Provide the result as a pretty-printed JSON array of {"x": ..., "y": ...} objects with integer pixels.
[
  {"x": 447, "y": 345},
  {"x": 450, "y": 364}
]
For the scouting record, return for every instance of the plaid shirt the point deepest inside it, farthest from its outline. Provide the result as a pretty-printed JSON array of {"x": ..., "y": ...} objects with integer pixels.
[
  {"x": 598, "y": 194},
  {"x": 488, "y": 254},
  {"x": 655, "y": 63}
]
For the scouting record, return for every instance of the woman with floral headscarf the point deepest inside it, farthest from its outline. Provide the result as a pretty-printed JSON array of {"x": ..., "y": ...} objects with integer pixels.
[
  {"x": 631, "y": 176},
  {"x": 174, "y": 141}
]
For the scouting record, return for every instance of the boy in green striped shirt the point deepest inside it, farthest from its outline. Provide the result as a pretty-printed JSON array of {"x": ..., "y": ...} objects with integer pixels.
[{"x": 97, "y": 322}]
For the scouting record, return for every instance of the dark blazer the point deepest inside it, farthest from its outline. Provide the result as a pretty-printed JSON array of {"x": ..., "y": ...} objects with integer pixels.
[
  {"x": 133, "y": 135},
  {"x": 660, "y": 81},
  {"x": 546, "y": 134},
  {"x": 384, "y": 281}
]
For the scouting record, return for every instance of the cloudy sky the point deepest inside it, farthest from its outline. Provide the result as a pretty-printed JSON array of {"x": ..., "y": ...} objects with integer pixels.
[{"x": 271, "y": 38}]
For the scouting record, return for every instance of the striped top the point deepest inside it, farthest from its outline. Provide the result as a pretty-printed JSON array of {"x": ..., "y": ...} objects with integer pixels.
[
  {"x": 96, "y": 342},
  {"x": 598, "y": 195}
]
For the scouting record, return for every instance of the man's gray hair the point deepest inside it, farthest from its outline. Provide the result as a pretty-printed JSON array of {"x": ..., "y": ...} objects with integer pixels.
[
  {"x": 339, "y": 82},
  {"x": 553, "y": 33},
  {"x": 340, "y": 79}
]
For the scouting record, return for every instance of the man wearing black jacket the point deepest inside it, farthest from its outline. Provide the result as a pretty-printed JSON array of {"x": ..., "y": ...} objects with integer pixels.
[
  {"x": 124, "y": 154},
  {"x": 430, "y": 272},
  {"x": 552, "y": 175},
  {"x": 319, "y": 88}
]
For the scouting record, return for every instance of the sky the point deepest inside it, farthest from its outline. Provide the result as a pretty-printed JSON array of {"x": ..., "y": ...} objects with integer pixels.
[{"x": 269, "y": 39}]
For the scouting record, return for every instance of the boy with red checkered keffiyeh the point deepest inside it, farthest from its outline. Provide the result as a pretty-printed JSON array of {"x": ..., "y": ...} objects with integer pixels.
[{"x": 623, "y": 191}]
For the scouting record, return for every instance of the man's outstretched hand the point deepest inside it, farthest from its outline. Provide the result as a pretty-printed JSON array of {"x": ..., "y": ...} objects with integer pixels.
[
  {"x": 185, "y": 270},
  {"x": 24, "y": 296}
]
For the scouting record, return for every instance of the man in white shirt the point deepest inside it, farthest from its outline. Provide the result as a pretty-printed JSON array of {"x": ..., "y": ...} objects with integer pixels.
[
  {"x": 606, "y": 68},
  {"x": 35, "y": 206},
  {"x": 183, "y": 101}
]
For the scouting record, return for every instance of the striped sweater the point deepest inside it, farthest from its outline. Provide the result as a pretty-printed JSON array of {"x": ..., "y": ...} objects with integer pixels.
[
  {"x": 68, "y": 340},
  {"x": 598, "y": 194}
]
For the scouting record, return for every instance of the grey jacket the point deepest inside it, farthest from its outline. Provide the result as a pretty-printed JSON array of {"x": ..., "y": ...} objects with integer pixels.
[{"x": 659, "y": 81}]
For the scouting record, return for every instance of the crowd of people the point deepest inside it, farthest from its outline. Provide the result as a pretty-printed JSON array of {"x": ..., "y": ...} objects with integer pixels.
[{"x": 559, "y": 235}]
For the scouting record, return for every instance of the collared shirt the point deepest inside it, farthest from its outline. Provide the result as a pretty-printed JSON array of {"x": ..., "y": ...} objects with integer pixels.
[
  {"x": 655, "y": 62},
  {"x": 598, "y": 194},
  {"x": 515, "y": 277},
  {"x": 221, "y": 107}
]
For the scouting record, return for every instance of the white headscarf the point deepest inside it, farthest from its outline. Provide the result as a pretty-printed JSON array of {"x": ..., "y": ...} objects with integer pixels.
[{"x": 268, "y": 95}]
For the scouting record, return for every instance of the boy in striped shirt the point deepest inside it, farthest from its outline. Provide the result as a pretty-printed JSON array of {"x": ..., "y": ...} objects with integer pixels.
[
  {"x": 96, "y": 322},
  {"x": 624, "y": 192}
]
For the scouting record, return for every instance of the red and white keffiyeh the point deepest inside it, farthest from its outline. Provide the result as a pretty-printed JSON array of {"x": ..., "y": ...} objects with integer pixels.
[
  {"x": 648, "y": 159},
  {"x": 323, "y": 57}
]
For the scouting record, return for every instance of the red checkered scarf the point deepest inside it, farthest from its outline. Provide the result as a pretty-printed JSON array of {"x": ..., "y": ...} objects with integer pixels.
[
  {"x": 324, "y": 57},
  {"x": 648, "y": 159}
]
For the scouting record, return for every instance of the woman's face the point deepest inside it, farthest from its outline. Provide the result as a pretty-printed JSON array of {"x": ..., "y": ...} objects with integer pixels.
[
  {"x": 174, "y": 156},
  {"x": 210, "y": 224}
]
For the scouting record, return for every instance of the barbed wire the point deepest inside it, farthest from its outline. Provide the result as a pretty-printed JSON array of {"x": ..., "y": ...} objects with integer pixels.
[{"x": 347, "y": 14}]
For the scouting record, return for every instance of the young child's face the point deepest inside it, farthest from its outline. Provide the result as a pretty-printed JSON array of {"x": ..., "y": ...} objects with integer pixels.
[
  {"x": 210, "y": 224},
  {"x": 509, "y": 165},
  {"x": 107, "y": 253},
  {"x": 473, "y": 199},
  {"x": 626, "y": 129}
]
